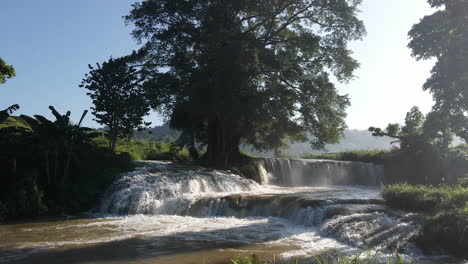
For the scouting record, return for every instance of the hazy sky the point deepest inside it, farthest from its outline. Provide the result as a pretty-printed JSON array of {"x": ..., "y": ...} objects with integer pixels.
[{"x": 51, "y": 42}]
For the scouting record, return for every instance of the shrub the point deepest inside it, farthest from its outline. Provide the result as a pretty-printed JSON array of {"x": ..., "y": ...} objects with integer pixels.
[
  {"x": 463, "y": 181},
  {"x": 446, "y": 226},
  {"x": 25, "y": 198},
  {"x": 447, "y": 230},
  {"x": 425, "y": 198}
]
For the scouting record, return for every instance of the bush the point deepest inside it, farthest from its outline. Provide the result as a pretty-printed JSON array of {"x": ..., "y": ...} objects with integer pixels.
[
  {"x": 446, "y": 226},
  {"x": 463, "y": 181},
  {"x": 25, "y": 199},
  {"x": 425, "y": 198},
  {"x": 447, "y": 230}
]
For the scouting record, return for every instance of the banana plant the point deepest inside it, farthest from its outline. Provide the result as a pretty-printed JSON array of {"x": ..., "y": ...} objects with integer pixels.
[
  {"x": 4, "y": 114},
  {"x": 58, "y": 138}
]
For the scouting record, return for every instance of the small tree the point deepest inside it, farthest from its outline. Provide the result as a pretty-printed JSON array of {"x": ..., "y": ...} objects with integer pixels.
[
  {"x": 411, "y": 136},
  {"x": 6, "y": 71},
  {"x": 118, "y": 97}
]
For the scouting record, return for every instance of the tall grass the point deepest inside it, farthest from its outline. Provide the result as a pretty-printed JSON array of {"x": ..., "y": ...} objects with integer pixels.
[
  {"x": 362, "y": 258},
  {"x": 446, "y": 210}
]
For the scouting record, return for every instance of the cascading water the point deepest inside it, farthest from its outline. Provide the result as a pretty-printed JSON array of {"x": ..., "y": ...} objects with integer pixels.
[
  {"x": 307, "y": 172},
  {"x": 169, "y": 213},
  {"x": 351, "y": 214}
]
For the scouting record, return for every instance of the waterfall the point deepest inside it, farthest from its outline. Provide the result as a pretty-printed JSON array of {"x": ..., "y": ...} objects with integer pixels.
[
  {"x": 309, "y": 172},
  {"x": 353, "y": 214}
]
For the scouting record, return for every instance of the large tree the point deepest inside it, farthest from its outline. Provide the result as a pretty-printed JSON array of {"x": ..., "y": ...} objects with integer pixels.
[
  {"x": 444, "y": 36},
  {"x": 6, "y": 71},
  {"x": 248, "y": 70},
  {"x": 118, "y": 97}
]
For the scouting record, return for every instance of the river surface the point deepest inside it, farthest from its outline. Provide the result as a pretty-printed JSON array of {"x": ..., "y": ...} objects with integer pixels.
[{"x": 165, "y": 213}]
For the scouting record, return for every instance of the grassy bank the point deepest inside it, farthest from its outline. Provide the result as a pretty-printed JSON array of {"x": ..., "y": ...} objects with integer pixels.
[
  {"x": 363, "y": 258},
  {"x": 446, "y": 208}
]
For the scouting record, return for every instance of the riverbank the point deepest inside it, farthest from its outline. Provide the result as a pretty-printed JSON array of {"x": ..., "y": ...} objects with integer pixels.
[{"x": 446, "y": 210}]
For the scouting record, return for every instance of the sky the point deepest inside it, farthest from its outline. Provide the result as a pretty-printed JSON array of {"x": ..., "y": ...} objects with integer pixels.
[{"x": 51, "y": 42}]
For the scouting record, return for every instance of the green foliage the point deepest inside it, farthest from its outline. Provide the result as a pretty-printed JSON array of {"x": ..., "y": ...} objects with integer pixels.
[
  {"x": 425, "y": 198},
  {"x": 118, "y": 97},
  {"x": 247, "y": 167},
  {"x": 375, "y": 156},
  {"x": 363, "y": 258},
  {"x": 257, "y": 71},
  {"x": 411, "y": 136},
  {"x": 25, "y": 198},
  {"x": 13, "y": 121},
  {"x": 446, "y": 207},
  {"x": 4, "y": 114},
  {"x": 463, "y": 182},
  {"x": 53, "y": 166},
  {"x": 147, "y": 150},
  {"x": 444, "y": 36},
  {"x": 6, "y": 71}
]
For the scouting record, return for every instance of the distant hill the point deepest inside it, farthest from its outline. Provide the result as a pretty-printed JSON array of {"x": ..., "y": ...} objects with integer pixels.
[
  {"x": 353, "y": 139},
  {"x": 160, "y": 133}
]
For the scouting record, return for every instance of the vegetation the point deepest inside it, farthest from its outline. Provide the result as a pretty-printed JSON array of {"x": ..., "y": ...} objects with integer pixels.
[
  {"x": 446, "y": 226},
  {"x": 365, "y": 258},
  {"x": 423, "y": 157},
  {"x": 118, "y": 97},
  {"x": 255, "y": 71},
  {"x": 374, "y": 156},
  {"x": 52, "y": 167},
  {"x": 6, "y": 71},
  {"x": 443, "y": 36},
  {"x": 147, "y": 150}
]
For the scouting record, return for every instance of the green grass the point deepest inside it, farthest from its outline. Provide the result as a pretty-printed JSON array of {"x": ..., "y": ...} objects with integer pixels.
[
  {"x": 13, "y": 121},
  {"x": 374, "y": 156},
  {"x": 146, "y": 150},
  {"x": 446, "y": 210},
  {"x": 363, "y": 258}
]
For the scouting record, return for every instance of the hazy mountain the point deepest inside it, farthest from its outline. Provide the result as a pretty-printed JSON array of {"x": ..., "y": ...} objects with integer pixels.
[{"x": 353, "y": 139}]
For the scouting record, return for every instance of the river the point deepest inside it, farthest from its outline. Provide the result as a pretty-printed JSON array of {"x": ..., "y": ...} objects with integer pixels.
[{"x": 169, "y": 213}]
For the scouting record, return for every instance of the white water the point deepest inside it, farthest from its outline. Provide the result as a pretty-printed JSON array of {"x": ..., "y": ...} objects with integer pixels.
[
  {"x": 167, "y": 213},
  {"x": 350, "y": 214}
]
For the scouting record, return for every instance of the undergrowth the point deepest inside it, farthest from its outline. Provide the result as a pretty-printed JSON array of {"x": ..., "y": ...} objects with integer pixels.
[
  {"x": 362, "y": 258},
  {"x": 446, "y": 210}
]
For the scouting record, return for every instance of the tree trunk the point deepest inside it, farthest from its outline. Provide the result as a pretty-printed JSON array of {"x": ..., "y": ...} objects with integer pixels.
[
  {"x": 223, "y": 144},
  {"x": 47, "y": 165},
  {"x": 112, "y": 142}
]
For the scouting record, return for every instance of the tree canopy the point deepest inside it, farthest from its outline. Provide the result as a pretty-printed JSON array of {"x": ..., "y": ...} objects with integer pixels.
[
  {"x": 118, "y": 97},
  {"x": 6, "y": 71},
  {"x": 410, "y": 136},
  {"x": 444, "y": 36},
  {"x": 252, "y": 71}
]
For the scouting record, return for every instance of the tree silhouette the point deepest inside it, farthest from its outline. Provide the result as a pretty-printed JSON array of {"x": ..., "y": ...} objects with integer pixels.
[
  {"x": 255, "y": 71},
  {"x": 118, "y": 97}
]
